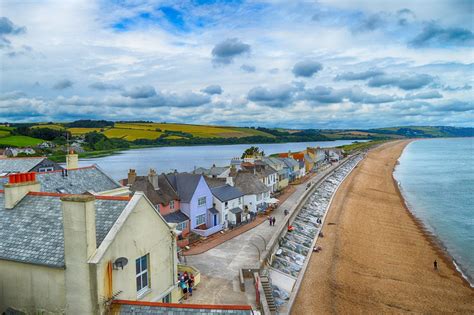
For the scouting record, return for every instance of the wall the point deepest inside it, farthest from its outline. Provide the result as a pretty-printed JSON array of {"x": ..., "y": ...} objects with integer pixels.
[
  {"x": 251, "y": 202},
  {"x": 164, "y": 210},
  {"x": 32, "y": 288},
  {"x": 144, "y": 232},
  {"x": 202, "y": 190}
]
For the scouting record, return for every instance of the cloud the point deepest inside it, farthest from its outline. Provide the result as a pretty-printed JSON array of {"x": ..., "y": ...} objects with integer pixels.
[
  {"x": 327, "y": 95},
  {"x": 248, "y": 68},
  {"x": 454, "y": 106},
  {"x": 405, "y": 16},
  {"x": 434, "y": 35},
  {"x": 13, "y": 95},
  {"x": 8, "y": 28},
  {"x": 354, "y": 76},
  {"x": 63, "y": 84},
  {"x": 225, "y": 52},
  {"x": 145, "y": 91},
  {"x": 102, "y": 86},
  {"x": 186, "y": 99},
  {"x": 370, "y": 23},
  {"x": 404, "y": 82},
  {"x": 279, "y": 96},
  {"x": 465, "y": 87},
  {"x": 424, "y": 95},
  {"x": 306, "y": 68},
  {"x": 212, "y": 89}
]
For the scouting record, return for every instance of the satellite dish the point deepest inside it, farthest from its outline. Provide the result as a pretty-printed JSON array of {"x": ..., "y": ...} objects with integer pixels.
[{"x": 120, "y": 263}]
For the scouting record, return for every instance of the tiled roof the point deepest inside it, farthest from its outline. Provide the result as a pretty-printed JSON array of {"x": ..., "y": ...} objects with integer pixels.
[
  {"x": 249, "y": 184},
  {"x": 290, "y": 162},
  {"x": 18, "y": 165},
  {"x": 213, "y": 210},
  {"x": 235, "y": 210},
  {"x": 213, "y": 171},
  {"x": 175, "y": 217},
  {"x": 215, "y": 182},
  {"x": 185, "y": 184},
  {"x": 32, "y": 232},
  {"x": 226, "y": 192},
  {"x": 163, "y": 195},
  {"x": 77, "y": 181}
]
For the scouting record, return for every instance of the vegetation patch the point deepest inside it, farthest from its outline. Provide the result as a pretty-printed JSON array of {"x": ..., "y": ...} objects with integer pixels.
[{"x": 19, "y": 141}]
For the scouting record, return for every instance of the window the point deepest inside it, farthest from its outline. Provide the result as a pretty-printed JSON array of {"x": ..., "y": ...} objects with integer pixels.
[
  {"x": 181, "y": 226},
  {"x": 226, "y": 217},
  {"x": 259, "y": 197},
  {"x": 172, "y": 204},
  {"x": 226, "y": 204},
  {"x": 202, "y": 201},
  {"x": 200, "y": 219},
  {"x": 240, "y": 200},
  {"x": 142, "y": 274},
  {"x": 46, "y": 169},
  {"x": 167, "y": 299}
]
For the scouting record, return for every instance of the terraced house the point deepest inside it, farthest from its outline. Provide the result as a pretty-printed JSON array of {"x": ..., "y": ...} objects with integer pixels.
[{"x": 86, "y": 250}]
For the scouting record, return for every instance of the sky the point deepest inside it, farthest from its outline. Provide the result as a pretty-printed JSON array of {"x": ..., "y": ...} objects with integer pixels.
[{"x": 313, "y": 64}]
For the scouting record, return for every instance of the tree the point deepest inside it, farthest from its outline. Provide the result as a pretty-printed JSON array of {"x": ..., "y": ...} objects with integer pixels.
[{"x": 253, "y": 151}]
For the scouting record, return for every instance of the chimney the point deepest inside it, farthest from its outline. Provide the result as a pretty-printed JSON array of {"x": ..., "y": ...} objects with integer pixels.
[
  {"x": 229, "y": 180},
  {"x": 132, "y": 176},
  {"x": 79, "y": 246},
  {"x": 72, "y": 160},
  {"x": 19, "y": 185},
  {"x": 153, "y": 178}
]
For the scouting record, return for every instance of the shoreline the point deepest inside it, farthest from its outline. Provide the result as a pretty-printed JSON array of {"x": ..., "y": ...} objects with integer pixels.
[
  {"x": 377, "y": 255},
  {"x": 430, "y": 236}
]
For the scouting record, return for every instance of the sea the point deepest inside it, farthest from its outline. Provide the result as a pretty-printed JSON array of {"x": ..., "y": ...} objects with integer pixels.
[{"x": 436, "y": 178}]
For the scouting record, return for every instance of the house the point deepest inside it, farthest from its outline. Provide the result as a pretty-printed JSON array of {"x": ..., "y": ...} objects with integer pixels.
[
  {"x": 267, "y": 174},
  {"x": 27, "y": 164},
  {"x": 293, "y": 168},
  {"x": 13, "y": 152},
  {"x": 229, "y": 201},
  {"x": 334, "y": 154},
  {"x": 318, "y": 155},
  {"x": 256, "y": 194},
  {"x": 46, "y": 145},
  {"x": 162, "y": 195},
  {"x": 74, "y": 254},
  {"x": 196, "y": 202},
  {"x": 279, "y": 166},
  {"x": 214, "y": 171}
]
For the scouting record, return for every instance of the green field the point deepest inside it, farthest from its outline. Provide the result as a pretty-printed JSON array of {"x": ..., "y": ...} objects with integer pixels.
[
  {"x": 19, "y": 141},
  {"x": 131, "y": 134},
  {"x": 50, "y": 126}
]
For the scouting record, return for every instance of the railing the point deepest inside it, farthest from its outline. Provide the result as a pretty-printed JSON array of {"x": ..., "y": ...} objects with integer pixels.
[{"x": 208, "y": 231}]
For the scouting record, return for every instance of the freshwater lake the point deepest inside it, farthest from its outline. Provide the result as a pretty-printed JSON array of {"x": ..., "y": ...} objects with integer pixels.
[{"x": 186, "y": 158}]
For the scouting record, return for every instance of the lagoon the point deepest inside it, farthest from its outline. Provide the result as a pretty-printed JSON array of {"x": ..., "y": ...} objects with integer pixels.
[{"x": 187, "y": 158}]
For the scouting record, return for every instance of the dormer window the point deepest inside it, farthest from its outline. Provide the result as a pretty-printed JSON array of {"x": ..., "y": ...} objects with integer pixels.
[{"x": 172, "y": 204}]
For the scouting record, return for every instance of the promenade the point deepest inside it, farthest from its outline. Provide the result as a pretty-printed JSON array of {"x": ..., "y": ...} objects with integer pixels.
[{"x": 220, "y": 265}]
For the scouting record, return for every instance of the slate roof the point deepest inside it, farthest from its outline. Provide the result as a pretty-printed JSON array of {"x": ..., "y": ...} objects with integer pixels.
[
  {"x": 235, "y": 210},
  {"x": 215, "y": 182},
  {"x": 175, "y": 217},
  {"x": 249, "y": 184},
  {"x": 32, "y": 232},
  {"x": 274, "y": 162},
  {"x": 78, "y": 181},
  {"x": 213, "y": 171},
  {"x": 213, "y": 210},
  {"x": 289, "y": 162},
  {"x": 184, "y": 183},
  {"x": 128, "y": 309},
  {"x": 226, "y": 193},
  {"x": 18, "y": 165},
  {"x": 163, "y": 195}
]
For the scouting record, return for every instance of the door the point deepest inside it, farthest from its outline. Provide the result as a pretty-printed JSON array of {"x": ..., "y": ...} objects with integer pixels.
[
  {"x": 238, "y": 217},
  {"x": 215, "y": 219}
]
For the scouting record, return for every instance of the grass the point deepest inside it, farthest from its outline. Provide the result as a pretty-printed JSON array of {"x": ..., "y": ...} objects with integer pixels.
[
  {"x": 353, "y": 147},
  {"x": 19, "y": 141},
  {"x": 81, "y": 131},
  {"x": 131, "y": 134},
  {"x": 51, "y": 126},
  {"x": 4, "y": 133}
]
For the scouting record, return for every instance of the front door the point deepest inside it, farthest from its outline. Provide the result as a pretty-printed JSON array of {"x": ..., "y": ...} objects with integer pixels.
[
  {"x": 215, "y": 219},
  {"x": 238, "y": 217}
]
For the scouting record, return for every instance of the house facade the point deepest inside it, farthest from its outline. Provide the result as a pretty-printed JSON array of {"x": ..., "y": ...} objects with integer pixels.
[
  {"x": 229, "y": 201},
  {"x": 256, "y": 194},
  {"x": 87, "y": 250}
]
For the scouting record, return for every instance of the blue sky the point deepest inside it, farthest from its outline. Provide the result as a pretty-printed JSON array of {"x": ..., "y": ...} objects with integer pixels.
[{"x": 319, "y": 64}]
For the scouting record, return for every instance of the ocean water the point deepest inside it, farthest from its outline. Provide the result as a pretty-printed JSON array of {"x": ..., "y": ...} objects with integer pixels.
[{"x": 436, "y": 177}]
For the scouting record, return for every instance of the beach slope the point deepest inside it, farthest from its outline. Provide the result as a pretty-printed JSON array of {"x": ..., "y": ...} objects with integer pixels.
[{"x": 376, "y": 257}]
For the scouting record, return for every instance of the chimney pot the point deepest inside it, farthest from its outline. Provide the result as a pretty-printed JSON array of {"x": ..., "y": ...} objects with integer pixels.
[{"x": 132, "y": 175}]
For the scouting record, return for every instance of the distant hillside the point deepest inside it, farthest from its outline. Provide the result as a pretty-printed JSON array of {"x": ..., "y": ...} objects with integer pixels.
[{"x": 424, "y": 131}]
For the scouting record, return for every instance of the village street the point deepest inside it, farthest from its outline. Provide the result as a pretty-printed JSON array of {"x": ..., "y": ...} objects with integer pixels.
[{"x": 220, "y": 265}]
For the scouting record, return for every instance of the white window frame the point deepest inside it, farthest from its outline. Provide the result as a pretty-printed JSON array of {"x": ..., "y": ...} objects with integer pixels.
[
  {"x": 200, "y": 201},
  {"x": 46, "y": 169},
  {"x": 200, "y": 219},
  {"x": 181, "y": 226},
  {"x": 141, "y": 290},
  {"x": 172, "y": 204}
]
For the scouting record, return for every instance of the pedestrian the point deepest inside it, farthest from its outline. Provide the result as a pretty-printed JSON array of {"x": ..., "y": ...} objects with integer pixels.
[
  {"x": 184, "y": 287},
  {"x": 270, "y": 220},
  {"x": 285, "y": 212},
  {"x": 274, "y": 219},
  {"x": 190, "y": 286},
  {"x": 435, "y": 265}
]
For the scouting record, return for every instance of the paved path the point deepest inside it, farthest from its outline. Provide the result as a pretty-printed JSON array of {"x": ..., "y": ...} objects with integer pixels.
[{"x": 220, "y": 265}]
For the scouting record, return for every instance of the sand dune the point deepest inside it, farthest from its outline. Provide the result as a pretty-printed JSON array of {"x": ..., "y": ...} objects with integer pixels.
[{"x": 376, "y": 258}]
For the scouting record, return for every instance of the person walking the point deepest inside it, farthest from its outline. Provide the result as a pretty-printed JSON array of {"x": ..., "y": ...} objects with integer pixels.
[
  {"x": 270, "y": 220},
  {"x": 190, "y": 286},
  {"x": 274, "y": 220}
]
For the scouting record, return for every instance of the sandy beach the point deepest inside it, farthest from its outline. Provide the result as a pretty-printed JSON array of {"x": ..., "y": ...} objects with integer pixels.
[{"x": 376, "y": 257}]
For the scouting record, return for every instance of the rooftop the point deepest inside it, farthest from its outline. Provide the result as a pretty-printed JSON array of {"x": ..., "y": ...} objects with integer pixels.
[
  {"x": 226, "y": 193},
  {"x": 19, "y": 165},
  {"x": 175, "y": 217},
  {"x": 77, "y": 181},
  {"x": 163, "y": 195},
  {"x": 249, "y": 184},
  {"x": 184, "y": 183},
  {"x": 32, "y": 232}
]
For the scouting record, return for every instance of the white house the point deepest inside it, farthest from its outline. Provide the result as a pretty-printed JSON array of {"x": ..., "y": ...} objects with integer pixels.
[
  {"x": 256, "y": 194},
  {"x": 229, "y": 201}
]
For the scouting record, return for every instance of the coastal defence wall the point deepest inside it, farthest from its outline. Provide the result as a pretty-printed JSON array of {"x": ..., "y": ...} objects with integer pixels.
[{"x": 273, "y": 245}]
